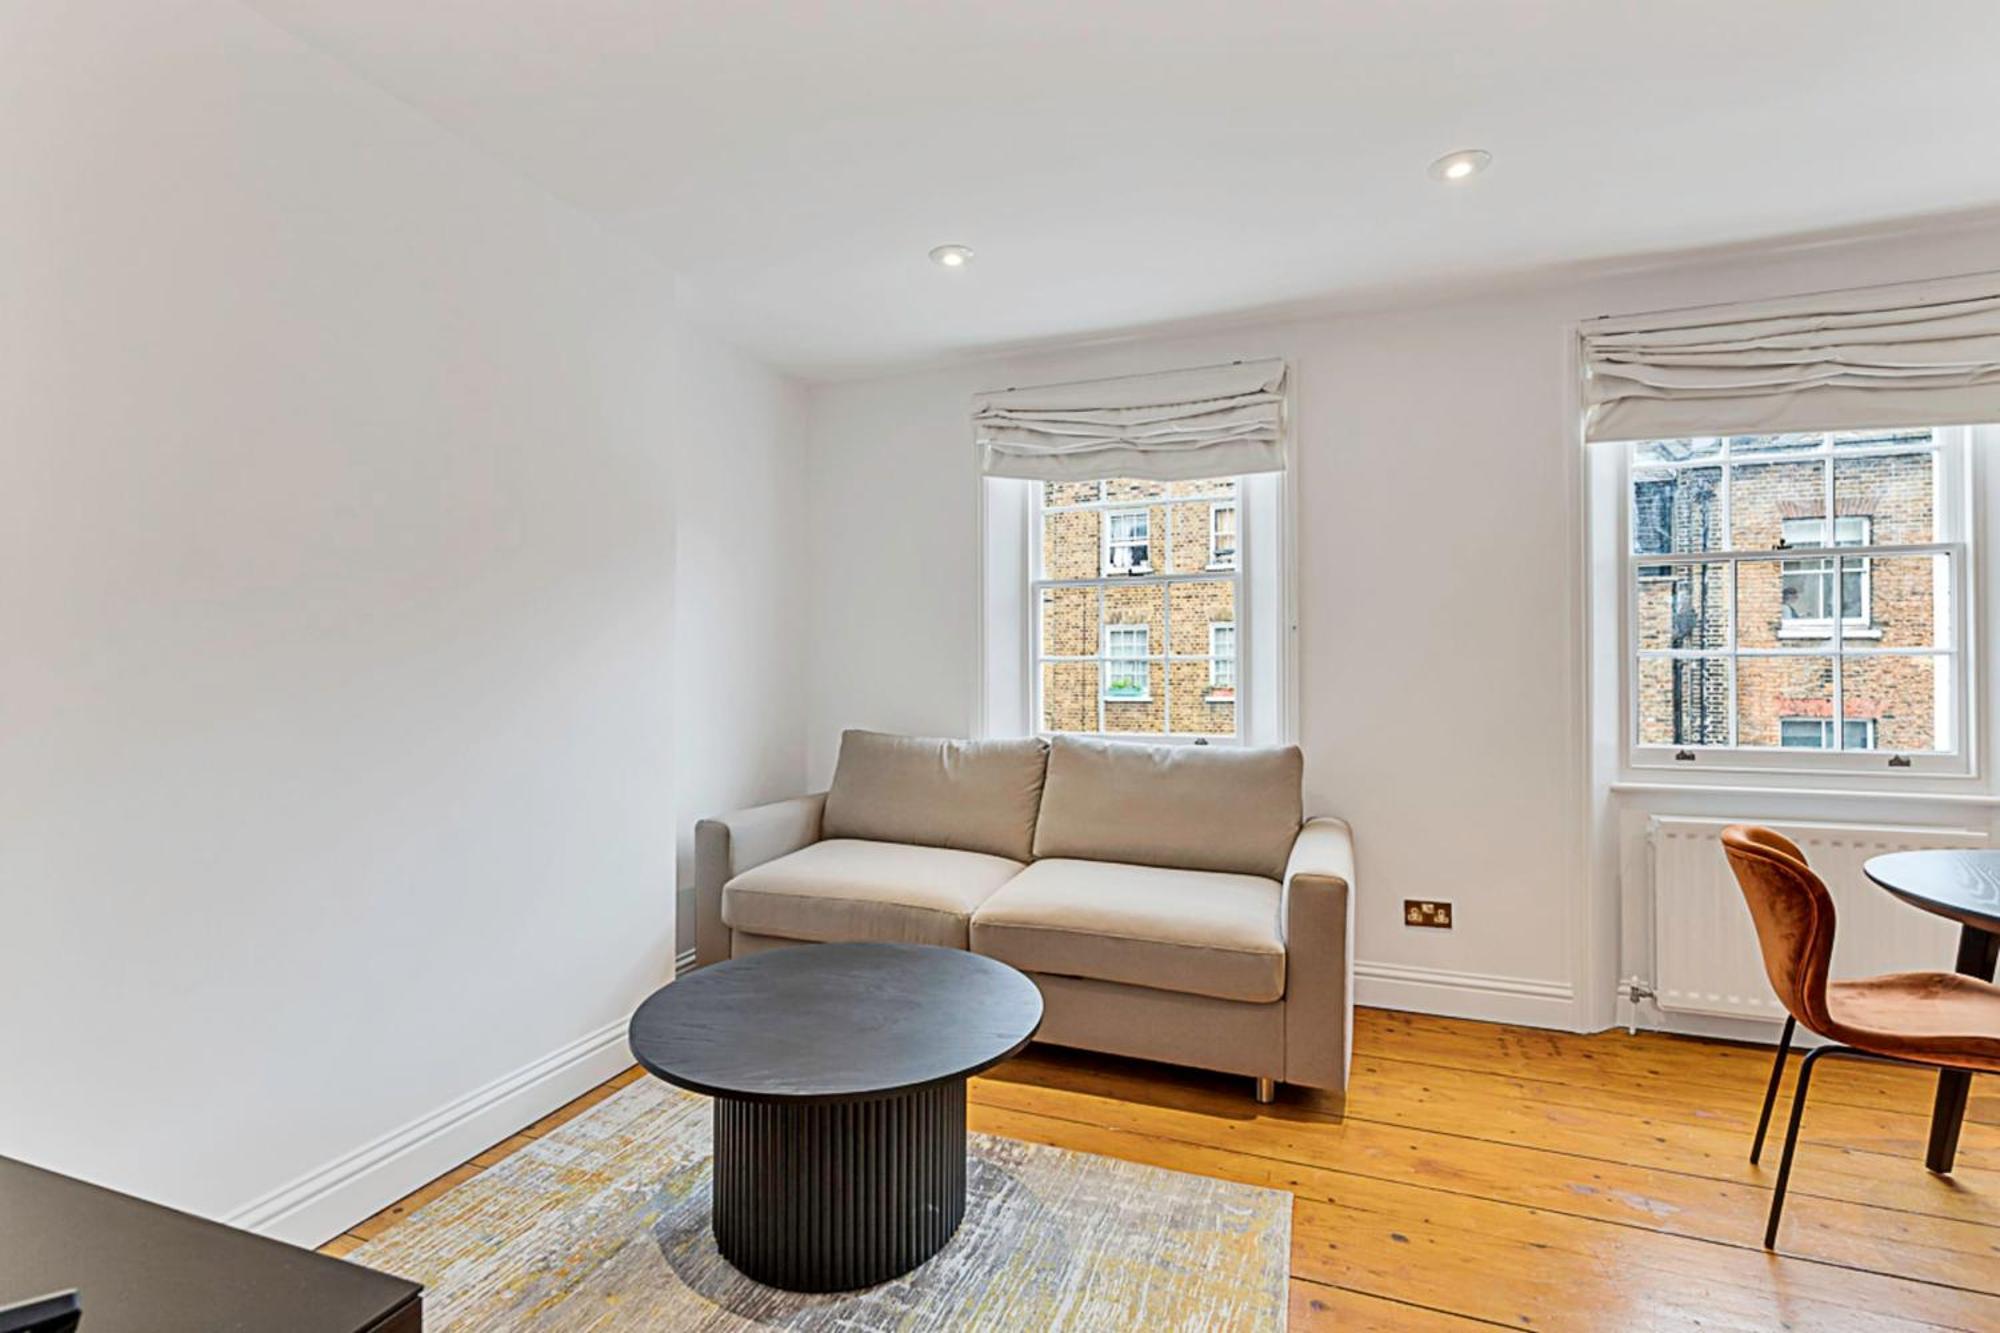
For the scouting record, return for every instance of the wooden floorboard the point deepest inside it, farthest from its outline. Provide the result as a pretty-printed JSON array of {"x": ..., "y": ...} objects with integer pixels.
[{"x": 1482, "y": 1174}]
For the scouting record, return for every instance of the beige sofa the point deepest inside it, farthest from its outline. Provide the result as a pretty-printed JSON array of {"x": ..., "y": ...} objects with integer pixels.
[{"x": 1171, "y": 903}]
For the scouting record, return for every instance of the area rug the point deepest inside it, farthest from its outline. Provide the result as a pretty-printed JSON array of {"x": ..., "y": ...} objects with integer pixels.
[{"x": 602, "y": 1225}]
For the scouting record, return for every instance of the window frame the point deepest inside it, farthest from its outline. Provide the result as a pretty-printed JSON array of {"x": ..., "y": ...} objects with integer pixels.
[
  {"x": 1216, "y": 658},
  {"x": 1954, "y": 492},
  {"x": 1216, "y": 560},
  {"x": 1860, "y": 626},
  {"x": 1236, "y": 575},
  {"x": 1825, "y": 724},
  {"x": 1106, "y": 541},
  {"x": 1144, "y": 657}
]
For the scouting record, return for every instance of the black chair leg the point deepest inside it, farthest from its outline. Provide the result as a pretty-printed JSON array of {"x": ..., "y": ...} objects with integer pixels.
[
  {"x": 1792, "y": 1139},
  {"x": 1771, "y": 1092}
]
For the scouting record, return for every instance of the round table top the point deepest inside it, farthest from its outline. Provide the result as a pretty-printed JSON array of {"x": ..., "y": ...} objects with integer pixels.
[
  {"x": 1963, "y": 885},
  {"x": 835, "y": 1022}
]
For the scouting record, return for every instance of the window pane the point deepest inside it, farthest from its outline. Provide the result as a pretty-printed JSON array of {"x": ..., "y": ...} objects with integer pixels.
[
  {"x": 1778, "y": 603},
  {"x": 1135, "y": 541},
  {"x": 1069, "y": 492},
  {"x": 1202, "y": 707},
  {"x": 1891, "y": 498},
  {"x": 1771, "y": 689},
  {"x": 1070, "y": 544},
  {"x": 1676, "y": 511},
  {"x": 1069, "y": 696},
  {"x": 1139, "y": 705},
  {"x": 1142, "y": 604},
  {"x": 1222, "y": 656},
  {"x": 1876, "y": 439},
  {"x": 1211, "y": 539},
  {"x": 1772, "y": 444},
  {"x": 1196, "y": 606},
  {"x": 1124, "y": 488},
  {"x": 1683, "y": 701},
  {"x": 1762, "y": 496},
  {"x": 1125, "y": 672},
  {"x": 1805, "y": 733},
  {"x": 1132, "y": 540},
  {"x": 1904, "y": 701},
  {"x": 1069, "y": 622},
  {"x": 1675, "y": 451},
  {"x": 1187, "y": 548},
  {"x": 1211, "y": 488},
  {"x": 1687, "y": 608},
  {"x": 1806, "y": 591},
  {"x": 1899, "y": 601}
]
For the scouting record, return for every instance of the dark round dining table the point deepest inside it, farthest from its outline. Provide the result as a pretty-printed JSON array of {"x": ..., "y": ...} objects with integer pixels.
[{"x": 1962, "y": 886}]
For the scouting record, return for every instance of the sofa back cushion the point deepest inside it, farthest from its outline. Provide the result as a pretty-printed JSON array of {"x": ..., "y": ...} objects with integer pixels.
[
  {"x": 1189, "y": 807},
  {"x": 975, "y": 796}
]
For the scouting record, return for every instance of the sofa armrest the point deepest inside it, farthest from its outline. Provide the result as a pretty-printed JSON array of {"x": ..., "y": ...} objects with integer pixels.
[
  {"x": 1318, "y": 920},
  {"x": 728, "y": 845}
]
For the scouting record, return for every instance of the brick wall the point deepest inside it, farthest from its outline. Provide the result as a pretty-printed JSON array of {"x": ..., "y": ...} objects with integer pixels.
[{"x": 1073, "y": 619}]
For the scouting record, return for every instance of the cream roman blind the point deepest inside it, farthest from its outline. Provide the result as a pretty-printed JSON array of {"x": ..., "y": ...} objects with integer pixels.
[
  {"x": 1216, "y": 421},
  {"x": 1912, "y": 354}
]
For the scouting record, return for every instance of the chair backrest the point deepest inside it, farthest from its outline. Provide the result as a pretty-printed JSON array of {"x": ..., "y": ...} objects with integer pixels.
[{"x": 1794, "y": 917}]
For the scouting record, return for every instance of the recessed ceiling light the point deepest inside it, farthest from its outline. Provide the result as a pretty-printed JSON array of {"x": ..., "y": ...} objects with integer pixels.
[
  {"x": 1462, "y": 165},
  {"x": 952, "y": 256}
]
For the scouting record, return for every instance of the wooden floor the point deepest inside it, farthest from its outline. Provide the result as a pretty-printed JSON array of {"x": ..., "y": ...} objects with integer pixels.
[{"x": 1490, "y": 1175}]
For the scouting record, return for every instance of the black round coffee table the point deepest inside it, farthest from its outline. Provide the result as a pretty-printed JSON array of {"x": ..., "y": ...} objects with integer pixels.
[{"x": 838, "y": 1073}]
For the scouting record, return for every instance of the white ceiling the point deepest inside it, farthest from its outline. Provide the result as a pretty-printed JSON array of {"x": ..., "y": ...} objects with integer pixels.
[{"x": 1123, "y": 162}]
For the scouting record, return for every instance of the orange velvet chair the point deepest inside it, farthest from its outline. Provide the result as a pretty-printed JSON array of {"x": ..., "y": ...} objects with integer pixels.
[{"x": 1941, "y": 1020}]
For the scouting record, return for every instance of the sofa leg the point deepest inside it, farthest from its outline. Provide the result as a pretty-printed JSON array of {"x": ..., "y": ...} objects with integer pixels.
[{"x": 1267, "y": 1091}]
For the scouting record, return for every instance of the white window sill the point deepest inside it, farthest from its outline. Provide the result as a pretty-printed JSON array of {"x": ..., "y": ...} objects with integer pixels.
[
  {"x": 1128, "y": 698},
  {"x": 1632, "y": 787}
]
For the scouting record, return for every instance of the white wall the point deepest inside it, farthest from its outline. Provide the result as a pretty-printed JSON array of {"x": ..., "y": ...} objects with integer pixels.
[
  {"x": 1444, "y": 695},
  {"x": 740, "y": 720},
  {"x": 338, "y": 648}
]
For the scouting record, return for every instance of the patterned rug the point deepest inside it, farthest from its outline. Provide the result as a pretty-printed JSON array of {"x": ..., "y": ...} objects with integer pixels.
[{"x": 602, "y": 1225}]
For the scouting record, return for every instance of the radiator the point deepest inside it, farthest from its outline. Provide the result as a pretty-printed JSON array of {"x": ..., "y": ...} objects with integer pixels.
[{"x": 1705, "y": 954}]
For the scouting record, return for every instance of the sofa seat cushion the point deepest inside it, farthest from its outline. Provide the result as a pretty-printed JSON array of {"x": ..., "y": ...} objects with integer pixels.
[
  {"x": 853, "y": 889},
  {"x": 1200, "y": 932}
]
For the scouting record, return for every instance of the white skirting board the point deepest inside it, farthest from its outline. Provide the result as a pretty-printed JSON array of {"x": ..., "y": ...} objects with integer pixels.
[
  {"x": 324, "y": 1202},
  {"x": 1494, "y": 999}
]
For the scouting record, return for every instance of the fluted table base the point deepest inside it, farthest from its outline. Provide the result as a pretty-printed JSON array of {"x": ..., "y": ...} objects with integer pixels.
[{"x": 831, "y": 1196}]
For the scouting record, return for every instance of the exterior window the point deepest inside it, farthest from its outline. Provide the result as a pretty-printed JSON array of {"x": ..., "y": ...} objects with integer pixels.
[
  {"x": 1222, "y": 536},
  {"x": 1807, "y": 593},
  {"x": 1221, "y": 659},
  {"x": 1135, "y": 626},
  {"x": 1791, "y": 593},
  {"x": 1127, "y": 670},
  {"x": 1816, "y": 733},
  {"x": 1128, "y": 541}
]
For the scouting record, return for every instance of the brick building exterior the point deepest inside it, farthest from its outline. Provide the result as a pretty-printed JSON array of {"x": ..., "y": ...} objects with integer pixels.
[
  {"x": 1148, "y": 641},
  {"x": 1878, "y": 499}
]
